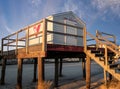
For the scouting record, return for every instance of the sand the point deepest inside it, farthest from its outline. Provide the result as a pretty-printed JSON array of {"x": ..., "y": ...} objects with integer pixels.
[{"x": 72, "y": 77}]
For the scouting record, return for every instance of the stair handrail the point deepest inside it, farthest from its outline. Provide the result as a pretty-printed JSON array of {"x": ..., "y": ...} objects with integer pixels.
[
  {"x": 95, "y": 38},
  {"x": 108, "y": 42},
  {"x": 100, "y": 34},
  {"x": 113, "y": 47},
  {"x": 105, "y": 44}
]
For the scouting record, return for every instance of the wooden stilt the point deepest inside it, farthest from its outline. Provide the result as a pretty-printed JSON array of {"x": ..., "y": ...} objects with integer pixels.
[
  {"x": 40, "y": 74},
  {"x": 60, "y": 70},
  {"x": 19, "y": 75},
  {"x": 110, "y": 76},
  {"x": 56, "y": 72},
  {"x": 105, "y": 76},
  {"x": 43, "y": 68},
  {"x": 88, "y": 74},
  {"x": 2, "y": 82},
  {"x": 83, "y": 68},
  {"x": 106, "y": 64},
  {"x": 35, "y": 70}
]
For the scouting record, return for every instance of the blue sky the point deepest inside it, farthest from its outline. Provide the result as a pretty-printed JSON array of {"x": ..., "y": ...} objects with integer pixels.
[{"x": 103, "y": 15}]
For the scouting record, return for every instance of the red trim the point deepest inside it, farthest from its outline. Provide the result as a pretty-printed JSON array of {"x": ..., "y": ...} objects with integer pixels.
[
  {"x": 56, "y": 47},
  {"x": 36, "y": 29}
]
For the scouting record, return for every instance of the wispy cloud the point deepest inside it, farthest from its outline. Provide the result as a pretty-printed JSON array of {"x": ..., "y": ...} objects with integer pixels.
[
  {"x": 30, "y": 11},
  {"x": 8, "y": 29},
  {"x": 36, "y": 2},
  {"x": 76, "y": 7},
  {"x": 107, "y": 5},
  {"x": 83, "y": 10},
  {"x": 4, "y": 27}
]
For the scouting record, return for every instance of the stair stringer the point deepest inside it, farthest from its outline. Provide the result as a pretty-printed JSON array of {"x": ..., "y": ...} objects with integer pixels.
[{"x": 101, "y": 63}]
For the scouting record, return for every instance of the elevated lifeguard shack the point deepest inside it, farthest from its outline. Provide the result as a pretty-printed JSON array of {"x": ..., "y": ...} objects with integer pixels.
[{"x": 58, "y": 36}]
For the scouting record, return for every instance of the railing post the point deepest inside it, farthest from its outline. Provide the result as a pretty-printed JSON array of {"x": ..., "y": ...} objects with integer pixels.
[
  {"x": 16, "y": 43},
  {"x": 84, "y": 39},
  {"x": 106, "y": 56},
  {"x": 106, "y": 62},
  {"x": 44, "y": 35},
  {"x": 97, "y": 44},
  {"x": 114, "y": 39},
  {"x": 8, "y": 47},
  {"x": 27, "y": 40},
  {"x": 2, "y": 47}
]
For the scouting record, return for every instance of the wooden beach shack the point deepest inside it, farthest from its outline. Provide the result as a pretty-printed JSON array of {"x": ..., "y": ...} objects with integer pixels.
[{"x": 59, "y": 36}]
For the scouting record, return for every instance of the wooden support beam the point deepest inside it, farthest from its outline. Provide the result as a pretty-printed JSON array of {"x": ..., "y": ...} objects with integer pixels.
[
  {"x": 60, "y": 68},
  {"x": 84, "y": 38},
  {"x": 105, "y": 76},
  {"x": 40, "y": 74},
  {"x": 56, "y": 72},
  {"x": 35, "y": 70},
  {"x": 88, "y": 74},
  {"x": 44, "y": 36},
  {"x": 83, "y": 68},
  {"x": 2, "y": 82},
  {"x": 110, "y": 76},
  {"x": 106, "y": 64},
  {"x": 27, "y": 40},
  {"x": 43, "y": 68},
  {"x": 19, "y": 75}
]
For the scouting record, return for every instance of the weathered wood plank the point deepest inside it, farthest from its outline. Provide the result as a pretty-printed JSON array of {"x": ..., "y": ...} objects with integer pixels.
[
  {"x": 56, "y": 73},
  {"x": 35, "y": 70},
  {"x": 88, "y": 74},
  {"x": 3, "y": 71},
  {"x": 19, "y": 75},
  {"x": 40, "y": 74}
]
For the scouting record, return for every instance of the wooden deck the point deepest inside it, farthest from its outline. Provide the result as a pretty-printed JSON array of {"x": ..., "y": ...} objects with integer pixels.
[{"x": 53, "y": 51}]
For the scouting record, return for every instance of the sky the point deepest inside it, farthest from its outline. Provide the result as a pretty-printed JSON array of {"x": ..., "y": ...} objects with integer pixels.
[{"x": 102, "y": 15}]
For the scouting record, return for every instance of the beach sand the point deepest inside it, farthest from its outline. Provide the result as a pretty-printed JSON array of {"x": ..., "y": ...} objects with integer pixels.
[{"x": 72, "y": 77}]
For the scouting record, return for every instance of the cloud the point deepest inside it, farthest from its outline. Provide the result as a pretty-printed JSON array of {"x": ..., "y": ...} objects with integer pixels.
[
  {"x": 83, "y": 10},
  {"x": 107, "y": 5},
  {"x": 35, "y": 2},
  {"x": 4, "y": 27},
  {"x": 76, "y": 7},
  {"x": 8, "y": 29},
  {"x": 70, "y": 6}
]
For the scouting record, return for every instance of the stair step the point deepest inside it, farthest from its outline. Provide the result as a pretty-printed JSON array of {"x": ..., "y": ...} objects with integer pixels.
[
  {"x": 111, "y": 54},
  {"x": 102, "y": 59},
  {"x": 95, "y": 51},
  {"x": 113, "y": 65},
  {"x": 110, "y": 61},
  {"x": 117, "y": 70},
  {"x": 99, "y": 55}
]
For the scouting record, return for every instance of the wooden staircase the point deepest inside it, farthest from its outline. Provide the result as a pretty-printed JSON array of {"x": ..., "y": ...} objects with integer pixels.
[
  {"x": 105, "y": 53},
  {"x": 112, "y": 67}
]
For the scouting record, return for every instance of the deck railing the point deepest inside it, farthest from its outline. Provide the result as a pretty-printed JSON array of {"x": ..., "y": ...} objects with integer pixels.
[
  {"x": 21, "y": 38},
  {"x": 102, "y": 42}
]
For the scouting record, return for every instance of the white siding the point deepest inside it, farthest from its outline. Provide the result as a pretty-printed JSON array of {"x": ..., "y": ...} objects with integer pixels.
[
  {"x": 57, "y": 38},
  {"x": 71, "y": 40},
  {"x": 71, "y": 30},
  {"x": 36, "y": 39}
]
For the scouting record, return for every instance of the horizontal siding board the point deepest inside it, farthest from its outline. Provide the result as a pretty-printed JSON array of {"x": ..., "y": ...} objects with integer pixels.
[{"x": 56, "y": 38}]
